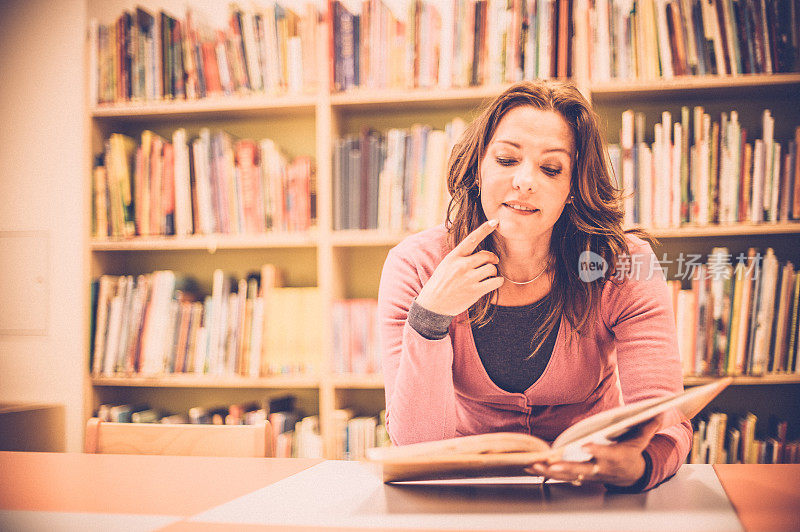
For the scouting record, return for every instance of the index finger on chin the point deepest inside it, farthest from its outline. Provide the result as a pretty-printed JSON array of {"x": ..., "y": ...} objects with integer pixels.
[{"x": 472, "y": 240}]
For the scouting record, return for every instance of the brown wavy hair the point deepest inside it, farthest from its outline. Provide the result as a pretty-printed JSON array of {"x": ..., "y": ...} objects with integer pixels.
[{"x": 593, "y": 221}]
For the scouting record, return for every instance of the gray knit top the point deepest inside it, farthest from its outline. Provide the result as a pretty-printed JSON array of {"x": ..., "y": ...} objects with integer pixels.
[{"x": 504, "y": 344}]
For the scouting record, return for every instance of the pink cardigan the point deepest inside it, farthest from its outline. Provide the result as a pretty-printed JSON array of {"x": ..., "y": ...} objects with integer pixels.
[{"x": 438, "y": 389}]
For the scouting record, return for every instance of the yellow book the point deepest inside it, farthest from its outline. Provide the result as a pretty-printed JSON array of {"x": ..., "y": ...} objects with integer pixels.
[
  {"x": 100, "y": 182},
  {"x": 270, "y": 279},
  {"x": 745, "y": 310},
  {"x": 719, "y": 444},
  {"x": 686, "y": 323},
  {"x": 143, "y": 185},
  {"x": 736, "y": 317},
  {"x": 313, "y": 320},
  {"x": 649, "y": 38},
  {"x": 783, "y": 297},
  {"x": 156, "y": 215},
  {"x": 242, "y": 361},
  {"x": 272, "y": 330},
  {"x": 793, "y": 332},
  {"x": 435, "y": 174},
  {"x": 293, "y": 336},
  {"x": 302, "y": 327},
  {"x": 289, "y": 341},
  {"x": 122, "y": 149}
]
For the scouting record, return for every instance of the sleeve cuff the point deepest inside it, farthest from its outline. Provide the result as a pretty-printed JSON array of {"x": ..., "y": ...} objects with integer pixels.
[
  {"x": 640, "y": 484},
  {"x": 429, "y": 325}
]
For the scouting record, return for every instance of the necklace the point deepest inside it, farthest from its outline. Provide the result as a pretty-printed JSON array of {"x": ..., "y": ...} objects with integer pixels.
[{"x": 546, "y": 267}]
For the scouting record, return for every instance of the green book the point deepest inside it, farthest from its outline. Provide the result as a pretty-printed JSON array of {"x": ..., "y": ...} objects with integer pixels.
[{"x": 793, "y": 332}]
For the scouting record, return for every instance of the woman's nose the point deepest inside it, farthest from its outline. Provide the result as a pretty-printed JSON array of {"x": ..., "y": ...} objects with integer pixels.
[{"x": 523, "y": 179}]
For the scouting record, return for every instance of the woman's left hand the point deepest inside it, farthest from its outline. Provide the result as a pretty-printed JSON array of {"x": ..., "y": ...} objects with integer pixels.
[{"x": 620, "y": 463}]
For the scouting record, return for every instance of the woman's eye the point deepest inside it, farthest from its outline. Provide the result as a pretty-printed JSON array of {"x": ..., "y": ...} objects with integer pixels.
[
  {"x": 505, "y": 161},
  {"x": 551, "y": 171}
]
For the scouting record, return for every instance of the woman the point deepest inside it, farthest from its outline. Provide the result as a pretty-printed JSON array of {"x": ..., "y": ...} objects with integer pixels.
[{"x": 498, "y": 322}]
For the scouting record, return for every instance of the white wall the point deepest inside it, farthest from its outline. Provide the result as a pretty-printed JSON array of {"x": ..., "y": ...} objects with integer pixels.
[{"x": 42, "y": 167}]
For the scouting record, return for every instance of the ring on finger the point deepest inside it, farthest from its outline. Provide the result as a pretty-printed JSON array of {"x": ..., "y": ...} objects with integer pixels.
[{"x": 579, "y": 480}]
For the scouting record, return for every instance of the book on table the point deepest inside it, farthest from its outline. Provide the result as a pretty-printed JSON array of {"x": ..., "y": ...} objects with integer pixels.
[{"x": 508, "y": 454}]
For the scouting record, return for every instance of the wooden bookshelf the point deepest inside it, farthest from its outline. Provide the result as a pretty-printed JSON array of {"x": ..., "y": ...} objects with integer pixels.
[
  {"x": 419, "y": 99},
  {"x": 684, "y": 86},
  {"x": 366, "y": 238},
  {"x": 747, "y": 380},
  {"x": 357, "y": 238},
  {"x": 382, "y": 100},
  {"x": 331, "y": 255},
  {"x": 347, "y": 381},
  {"x": 212, "y": 107},
  {"x": 356, "y": 381},
  {"x": 689, "y": 231},
  {"x": 210, "y": 243},
  {"x": 381, "y": 238},
  {"x": 208, "y": 381}
]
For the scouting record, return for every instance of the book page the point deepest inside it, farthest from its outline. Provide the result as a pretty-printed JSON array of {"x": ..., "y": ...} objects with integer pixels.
[
  {"x": 460, "y": 465},
  {"x": 606, "y": 418},
  {"x": 497, "y": 442},
  {"x": 615, "y": 422}
]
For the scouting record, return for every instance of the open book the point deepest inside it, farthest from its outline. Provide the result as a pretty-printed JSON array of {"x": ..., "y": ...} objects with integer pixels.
[{"x": 507, "y": 453}]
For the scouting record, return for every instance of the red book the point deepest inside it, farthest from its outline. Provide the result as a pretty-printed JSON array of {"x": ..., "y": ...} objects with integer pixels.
[
  {"x": 484, "y": 49},
  {"x": 156, "y": 175},
  {"x": 563, "y": 59},
  {"x": 298, "y": 190},
  {"x": 676, "y": 40},
  {"x": 781, "y": 432},
  {"x": 796, "y": 200},
  {"x": 250, "y": 186},
  {"x": 193, "y": 88},
  {"x": 184, "y": 314},
  {"x": 513, "y": 61},
  {"x": 365, "y": 75},
  {"x": 787, "y": 167},
  {"x": 331, "y": 58},
  {"x": 211, "y": 68},
  {"x": 305, "y": 194},
  {"x": 466, "y": 61},
  {"x": 168, "y": 190}
]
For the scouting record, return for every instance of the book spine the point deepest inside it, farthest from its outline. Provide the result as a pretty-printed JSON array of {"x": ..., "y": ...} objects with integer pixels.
[
  {"x": 744, "y": 312},
  {"x": 764, "y": 317},
  {"x": 791, "y": 363}
]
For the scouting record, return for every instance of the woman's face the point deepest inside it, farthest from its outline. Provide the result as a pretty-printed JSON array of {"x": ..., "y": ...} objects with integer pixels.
[{"x": 526, "y": 171}]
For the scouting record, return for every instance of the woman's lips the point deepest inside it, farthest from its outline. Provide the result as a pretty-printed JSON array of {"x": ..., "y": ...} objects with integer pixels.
[{"x": 522, "y": 211}]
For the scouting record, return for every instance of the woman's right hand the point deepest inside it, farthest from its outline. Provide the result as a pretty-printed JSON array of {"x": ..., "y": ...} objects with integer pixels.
[{"x": 463, "y": 276}]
